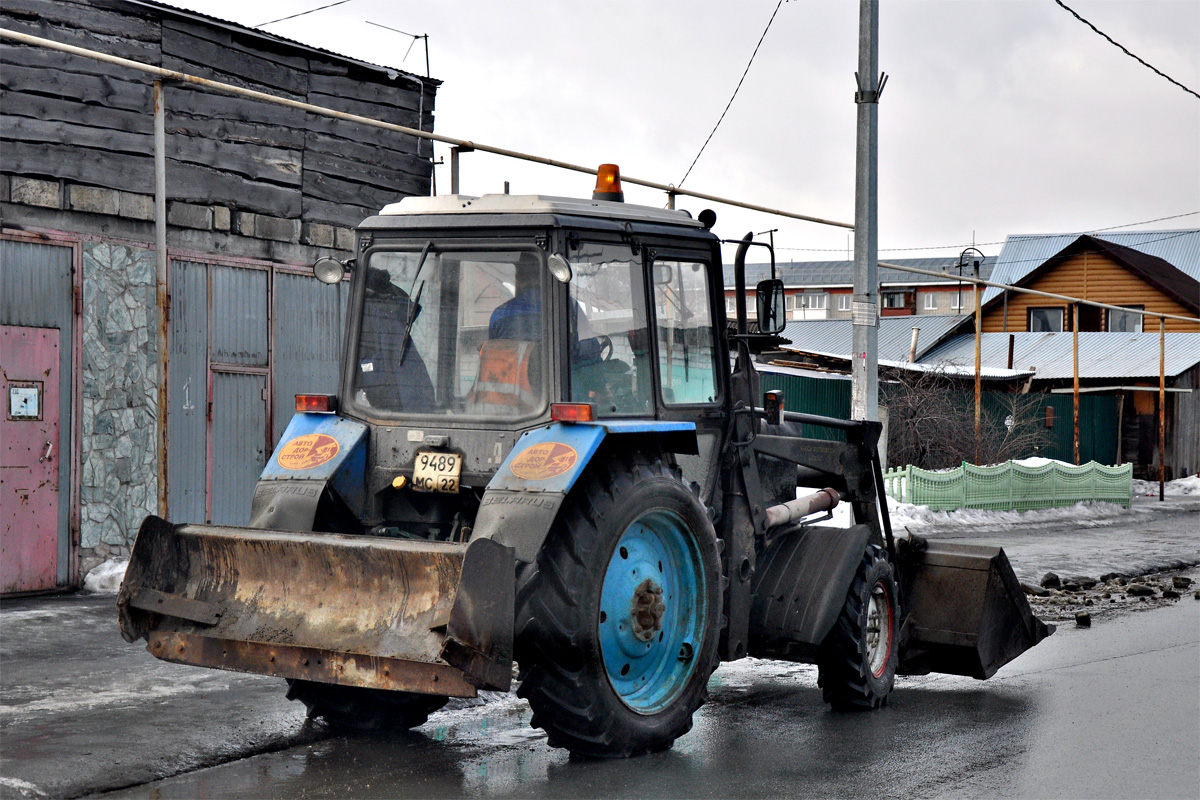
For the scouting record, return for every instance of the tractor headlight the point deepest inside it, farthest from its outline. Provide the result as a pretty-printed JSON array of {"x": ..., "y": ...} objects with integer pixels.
[
  {"x": 329, "y": 270},
  {"x": 560, "y": 268}
]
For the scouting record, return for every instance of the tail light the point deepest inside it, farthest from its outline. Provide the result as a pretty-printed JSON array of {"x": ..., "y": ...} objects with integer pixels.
[
  {"x": 316, "y": 403},
  {"x": 571, "y": 412}
]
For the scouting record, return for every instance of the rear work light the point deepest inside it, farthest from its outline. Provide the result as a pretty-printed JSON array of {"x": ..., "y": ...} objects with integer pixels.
[
  {"x": 571, "y": 412},
  {"x": 608, "y": 184},
  {"x": 316, "y": 403}
]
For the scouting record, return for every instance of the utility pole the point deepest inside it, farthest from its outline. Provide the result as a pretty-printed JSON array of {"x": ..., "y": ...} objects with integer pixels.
[{"x": 864, "y": 388}]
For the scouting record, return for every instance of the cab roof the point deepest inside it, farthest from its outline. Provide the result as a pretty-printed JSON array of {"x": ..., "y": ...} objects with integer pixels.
[{"x": 537, "y": 204}]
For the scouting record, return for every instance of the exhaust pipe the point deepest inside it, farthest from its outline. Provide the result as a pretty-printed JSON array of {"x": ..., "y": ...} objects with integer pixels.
[{"x": 824, "y": 500}]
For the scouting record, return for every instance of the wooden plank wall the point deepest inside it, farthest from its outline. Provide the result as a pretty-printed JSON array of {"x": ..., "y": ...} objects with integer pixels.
[
  {"x": 1183, "y": 445},
  {"x": 72, "y": 118},
  {"x": 1092, "y": 276}
]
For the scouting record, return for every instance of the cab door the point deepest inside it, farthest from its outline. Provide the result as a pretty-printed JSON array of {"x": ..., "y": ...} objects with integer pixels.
[{"x": 689, "y": 353}]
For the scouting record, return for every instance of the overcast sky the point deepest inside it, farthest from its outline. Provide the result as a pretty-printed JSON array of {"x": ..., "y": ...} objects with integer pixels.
[{"x": 999, "y": 116}]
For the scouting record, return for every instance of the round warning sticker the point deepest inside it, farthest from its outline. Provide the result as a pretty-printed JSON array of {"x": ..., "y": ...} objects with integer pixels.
[
  {"x": 541, "y": 462},
  {"x": 308, "y": 451}
]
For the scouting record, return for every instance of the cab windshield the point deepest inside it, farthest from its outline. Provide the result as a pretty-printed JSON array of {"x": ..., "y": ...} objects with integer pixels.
[{"x": 460, "y": 333}]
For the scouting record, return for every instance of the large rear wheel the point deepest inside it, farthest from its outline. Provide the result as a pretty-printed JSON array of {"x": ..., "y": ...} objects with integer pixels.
[
  {"x": 354, "y": 708},
  {"x": 617, "y": 621},
  {"x": 857, "y": 662}
]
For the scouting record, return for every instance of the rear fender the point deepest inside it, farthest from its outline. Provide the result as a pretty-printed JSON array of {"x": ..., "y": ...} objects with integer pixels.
[
  {"x": 800, "y": 588},
  {"x": 316, "y": 450},
  {"x": 516, "y": 512}
]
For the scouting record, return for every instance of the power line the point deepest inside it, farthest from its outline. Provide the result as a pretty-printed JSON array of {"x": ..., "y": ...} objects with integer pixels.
[
  {"x": 302, "y": 13},
  {"x": 1125, "y": 50},
  {"x": 986, "y": 244},
  {"x": 735, "y": 91}
]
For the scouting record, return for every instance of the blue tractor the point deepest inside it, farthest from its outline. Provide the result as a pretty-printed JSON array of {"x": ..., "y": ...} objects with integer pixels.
[{"x": 550, "y": 448}]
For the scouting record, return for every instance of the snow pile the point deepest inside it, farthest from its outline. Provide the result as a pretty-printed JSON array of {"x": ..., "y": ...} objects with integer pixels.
[
  {"x": 106, "y": 578},
  {"x": 906, "y": 515},
  {"x": 1178, "y": 488}
]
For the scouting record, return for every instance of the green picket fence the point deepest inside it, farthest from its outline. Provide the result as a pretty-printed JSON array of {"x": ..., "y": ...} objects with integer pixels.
[{"x": 1010, "y": 486}]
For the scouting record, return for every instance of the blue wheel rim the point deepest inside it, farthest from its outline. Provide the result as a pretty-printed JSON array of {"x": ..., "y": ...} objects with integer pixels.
[{"x": 653, "y": 609}]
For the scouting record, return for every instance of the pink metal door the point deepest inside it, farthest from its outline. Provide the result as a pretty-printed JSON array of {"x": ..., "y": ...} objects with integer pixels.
[{"x": 29, "y": 454}]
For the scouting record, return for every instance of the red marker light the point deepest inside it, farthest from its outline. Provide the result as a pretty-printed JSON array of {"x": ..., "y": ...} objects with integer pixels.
[
  {"x": 316, "y": 403},
  {"x": 571, "y": 412}
]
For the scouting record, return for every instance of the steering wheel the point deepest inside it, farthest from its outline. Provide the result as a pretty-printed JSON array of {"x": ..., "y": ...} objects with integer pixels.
[{"x": 604, "y": 347}]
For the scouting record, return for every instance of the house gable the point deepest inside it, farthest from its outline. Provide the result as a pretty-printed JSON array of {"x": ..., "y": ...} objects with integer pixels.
[{"x": 1105, "y": 272}]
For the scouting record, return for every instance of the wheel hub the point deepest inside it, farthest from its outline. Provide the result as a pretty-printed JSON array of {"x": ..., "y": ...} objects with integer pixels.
[{"x": 647, "y": 609}]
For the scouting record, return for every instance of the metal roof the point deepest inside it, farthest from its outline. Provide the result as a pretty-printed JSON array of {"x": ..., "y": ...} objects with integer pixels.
[
  {"x": 841, "y": 273},
  {"x": 1101, "y": 354},
  {"x": 834, "y": 337},
  {"x": 536, "y": 204},
  {"x": 1023, "y": 253}
]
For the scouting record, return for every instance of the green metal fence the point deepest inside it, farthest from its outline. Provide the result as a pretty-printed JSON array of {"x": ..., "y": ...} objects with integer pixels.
[{"x": 1011, "y": 486}]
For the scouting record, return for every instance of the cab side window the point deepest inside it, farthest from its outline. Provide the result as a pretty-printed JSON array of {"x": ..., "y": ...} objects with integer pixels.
[
  {"x": 610, "y": 356},
  {"x": 686, "y": 338}
]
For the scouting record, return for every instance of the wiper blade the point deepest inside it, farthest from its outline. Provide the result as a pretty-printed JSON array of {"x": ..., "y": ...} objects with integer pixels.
[
  {"x": 414, "y": 308},
  {"x": 414, "y": 303}
]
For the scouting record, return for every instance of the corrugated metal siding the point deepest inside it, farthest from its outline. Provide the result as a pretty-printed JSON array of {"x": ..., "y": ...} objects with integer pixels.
[
  {"x": 239, "y": 305},
  {"x": 1097, "y": 429},
  {"x": 36, "y": 291},
  {"x": 308, "y": 341},
  {"x": 1184, "y": 453},
  {"x": 239, "y": 447},
  {"x": 1023, "y": 253},
  {"x": 1101, "y": 355},
  {"x": 829, "y": 398},
  {"x": 187, "y": 393}
]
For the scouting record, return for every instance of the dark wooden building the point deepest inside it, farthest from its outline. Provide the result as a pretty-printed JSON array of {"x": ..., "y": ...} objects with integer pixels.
[{"x": 148, "y": 393}]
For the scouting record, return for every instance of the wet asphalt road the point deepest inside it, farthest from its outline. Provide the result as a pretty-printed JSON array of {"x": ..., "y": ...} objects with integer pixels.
[{"x": 1113, "y": 711}]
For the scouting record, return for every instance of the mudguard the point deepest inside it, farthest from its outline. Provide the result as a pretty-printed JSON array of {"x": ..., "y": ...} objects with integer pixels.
[
  {"x": 524, "y": 496},
  {"x": 316, "y": 450},
  {"x": 800, "y": 587}
]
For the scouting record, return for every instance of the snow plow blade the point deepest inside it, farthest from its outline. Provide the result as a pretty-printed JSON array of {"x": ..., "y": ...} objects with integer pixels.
[
  {"x": 967, "y": 612},
  {"x": 353, "y": 610}
]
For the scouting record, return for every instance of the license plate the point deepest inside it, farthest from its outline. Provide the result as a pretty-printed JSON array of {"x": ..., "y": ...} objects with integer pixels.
[{"x": 437, "y": 472}]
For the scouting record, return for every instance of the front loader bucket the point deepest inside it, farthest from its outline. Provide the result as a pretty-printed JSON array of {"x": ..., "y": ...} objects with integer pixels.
[
  {"x": 967, "y": 613},
  {"x": 353, "y": 610}
]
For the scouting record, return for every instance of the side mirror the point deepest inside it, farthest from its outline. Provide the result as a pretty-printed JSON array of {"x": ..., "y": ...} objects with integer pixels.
[
  {"x": 329, "y": 270},
  {"x": 771, "y": 314}
]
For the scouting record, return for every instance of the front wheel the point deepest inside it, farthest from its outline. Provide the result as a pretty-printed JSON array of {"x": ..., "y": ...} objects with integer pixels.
[
  {"x": 857, "y": 662},
  {"x": 617, "y": 622}
]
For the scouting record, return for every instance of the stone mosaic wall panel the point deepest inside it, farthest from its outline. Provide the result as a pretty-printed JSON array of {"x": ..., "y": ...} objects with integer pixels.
[{"x": 120, "y": 397}]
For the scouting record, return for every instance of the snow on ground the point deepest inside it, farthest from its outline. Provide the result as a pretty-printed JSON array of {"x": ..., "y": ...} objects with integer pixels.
[
  {"x": 906, "y": 515},
  {"x": 106, "y": 578},
  {"x": 1179, "y": 487}
]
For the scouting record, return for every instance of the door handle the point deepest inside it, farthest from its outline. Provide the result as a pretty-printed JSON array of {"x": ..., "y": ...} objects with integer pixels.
[{"x": 49, "y": 449}]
